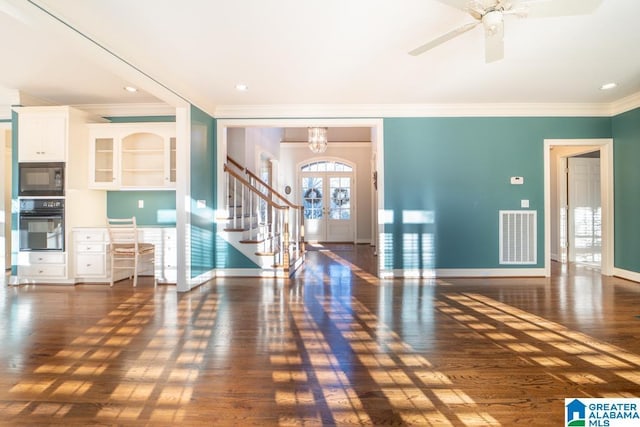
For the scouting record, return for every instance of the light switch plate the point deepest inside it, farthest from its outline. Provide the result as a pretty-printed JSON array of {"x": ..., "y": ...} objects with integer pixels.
[
  {"x": 140, "y": 204},
  {"x": 524, "y": 203}
]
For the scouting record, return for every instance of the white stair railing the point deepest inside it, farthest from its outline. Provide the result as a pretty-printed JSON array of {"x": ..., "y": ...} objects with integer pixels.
[{"x": 265, "y": 216}]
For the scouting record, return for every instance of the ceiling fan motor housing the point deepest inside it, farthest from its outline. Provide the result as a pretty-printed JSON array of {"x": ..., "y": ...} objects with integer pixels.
[{"x": 492, "y": 21}]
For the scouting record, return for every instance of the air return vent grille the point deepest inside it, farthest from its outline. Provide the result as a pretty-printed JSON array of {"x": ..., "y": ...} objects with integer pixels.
[{"x": 518, "y": 237}]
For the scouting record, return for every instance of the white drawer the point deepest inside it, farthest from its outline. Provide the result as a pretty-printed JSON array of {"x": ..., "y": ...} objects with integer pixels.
[
  {"x": 89, "y": 236},
  {"x": 90, "y": 265},
  {"x": 37, "y": 258},
  {"x": 88, "y": 247},
  {"x": 42, "y": 271}
]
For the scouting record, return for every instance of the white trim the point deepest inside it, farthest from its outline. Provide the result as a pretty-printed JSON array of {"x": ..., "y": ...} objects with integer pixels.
[
  {"x": 415, "y": 110},
  {"x": 625, "y": 104},
  {"x": 201, "y": 278},
  {"x": 463, "y": 272},
  {"x": 127, "y": 110},
  {"x": 606, "y": 183},
  {"x": 183, "y": 198},
  {"x": 626, "y": 274},
  {"x": 251, "y": 272}
]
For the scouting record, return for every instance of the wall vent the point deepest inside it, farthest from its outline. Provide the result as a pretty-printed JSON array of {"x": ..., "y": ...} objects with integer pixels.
[{"x": 518, "y": 236}]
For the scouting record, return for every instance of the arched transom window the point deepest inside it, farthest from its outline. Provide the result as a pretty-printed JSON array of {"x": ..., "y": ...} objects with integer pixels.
[{"x": 326, "y": 166}]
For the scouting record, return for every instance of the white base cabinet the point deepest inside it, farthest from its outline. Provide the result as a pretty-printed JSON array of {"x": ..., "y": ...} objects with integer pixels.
[
  {"x": 92, "y": 263},
  {"x": 90, "y": 255},
  {"x": 42, "y": 267}
]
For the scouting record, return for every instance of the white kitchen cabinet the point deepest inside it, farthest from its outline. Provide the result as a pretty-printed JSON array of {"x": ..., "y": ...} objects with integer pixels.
[
  {"x": 166, "y": 258},
  {"x": 132, "y": 156},
  {"x": 93, "y": 264},
  {"x": 42, "y": 134},
  {"x": 45, "y": 267},
  {"x": 90, "y": 255}
]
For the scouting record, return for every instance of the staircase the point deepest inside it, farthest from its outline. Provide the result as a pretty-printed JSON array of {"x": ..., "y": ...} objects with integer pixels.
[{"x": 261, "y": 223}]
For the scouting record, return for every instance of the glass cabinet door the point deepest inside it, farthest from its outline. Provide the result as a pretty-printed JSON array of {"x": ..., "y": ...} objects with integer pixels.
[{"x": 103, "y": 171}]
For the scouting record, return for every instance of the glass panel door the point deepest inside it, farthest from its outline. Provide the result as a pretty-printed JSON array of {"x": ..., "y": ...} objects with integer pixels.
[{"x": 312, "y": 200}]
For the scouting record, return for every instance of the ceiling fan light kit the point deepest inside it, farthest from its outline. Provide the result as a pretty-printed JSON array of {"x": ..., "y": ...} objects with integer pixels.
[{"x": 491, "y": 13}]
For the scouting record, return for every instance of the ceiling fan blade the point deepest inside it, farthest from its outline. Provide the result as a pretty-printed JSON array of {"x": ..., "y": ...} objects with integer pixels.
[
  {"x": 458, "y": 4},
  {"x": 549, "y": 8},
  {"x": 494, "y": 44},
  {"x": 475, "y": 8},
  {"x": 443, "y": 38}
]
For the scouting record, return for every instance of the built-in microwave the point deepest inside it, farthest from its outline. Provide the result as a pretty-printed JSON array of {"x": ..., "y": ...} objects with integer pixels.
[{"x": 41, "y": 179}]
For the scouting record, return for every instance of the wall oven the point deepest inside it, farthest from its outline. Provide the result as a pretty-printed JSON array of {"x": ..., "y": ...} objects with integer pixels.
[
  {"x": 41, "y": 179},
  {"x": 41, "y": 225}
]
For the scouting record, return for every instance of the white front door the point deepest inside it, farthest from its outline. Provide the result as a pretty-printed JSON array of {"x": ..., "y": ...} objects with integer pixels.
[{"x": 328, "y": 207}]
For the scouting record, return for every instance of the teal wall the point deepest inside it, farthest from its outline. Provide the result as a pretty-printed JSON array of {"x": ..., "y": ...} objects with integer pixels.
[
  {"x": 203, "y": 147},
  {"x": 159, "y": 207},
  {"x": 208, "y": 250},
  {"x": 626, "y": 133},
  {"x": 455, "y": 171}
]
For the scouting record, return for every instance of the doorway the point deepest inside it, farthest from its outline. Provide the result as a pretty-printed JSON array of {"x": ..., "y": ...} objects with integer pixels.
[
  {"x": 326, "y": 189},
  {"x": 600, "y": 237}
]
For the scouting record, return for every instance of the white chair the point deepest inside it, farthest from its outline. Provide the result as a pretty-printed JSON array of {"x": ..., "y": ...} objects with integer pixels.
[{"x": 127, "y": 253}]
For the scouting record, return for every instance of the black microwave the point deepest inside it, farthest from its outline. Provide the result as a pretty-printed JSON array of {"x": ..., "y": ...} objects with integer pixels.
[{"x": 41, "y": 179}]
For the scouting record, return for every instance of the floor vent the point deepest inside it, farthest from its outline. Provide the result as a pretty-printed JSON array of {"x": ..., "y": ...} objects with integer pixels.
[{"x": 518, "y": 237}]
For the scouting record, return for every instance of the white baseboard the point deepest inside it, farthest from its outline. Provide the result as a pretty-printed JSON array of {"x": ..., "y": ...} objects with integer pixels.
[
  {"x": 363, "y": 241},
  {"x": 465, "y": 272},
  {"x": 626, "y": 274},
  {"x": 250, "y": 272},
  {"x": 201, "y": 278}
]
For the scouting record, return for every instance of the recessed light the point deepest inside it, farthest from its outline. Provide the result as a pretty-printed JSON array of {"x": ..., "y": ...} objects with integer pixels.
[
  {"x": 242, "y": 87},
  {"x": 130, "y": 89},
  {"x": 608, "y": 86}
]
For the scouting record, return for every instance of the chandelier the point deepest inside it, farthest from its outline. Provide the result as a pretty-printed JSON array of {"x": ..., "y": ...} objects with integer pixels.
[{"x": 317, "y": 139}]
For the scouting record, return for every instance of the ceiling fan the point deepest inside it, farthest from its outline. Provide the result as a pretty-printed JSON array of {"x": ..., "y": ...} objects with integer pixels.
[{"x": 491, "y": 14}]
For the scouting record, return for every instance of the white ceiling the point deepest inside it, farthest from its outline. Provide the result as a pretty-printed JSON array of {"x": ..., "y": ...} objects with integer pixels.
[{"x": 317, "y": 52}]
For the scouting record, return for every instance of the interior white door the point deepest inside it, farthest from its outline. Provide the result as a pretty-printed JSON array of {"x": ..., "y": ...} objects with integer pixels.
[
  {"x": 585, "y": 216},
  {"x": 327, "y": 200}
]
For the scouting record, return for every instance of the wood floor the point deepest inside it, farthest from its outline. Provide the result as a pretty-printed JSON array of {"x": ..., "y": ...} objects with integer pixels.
[{"x": 333, "y": 346}]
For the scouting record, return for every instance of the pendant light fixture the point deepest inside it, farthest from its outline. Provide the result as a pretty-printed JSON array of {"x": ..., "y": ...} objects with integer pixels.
[{"x": 317, "y": 139}]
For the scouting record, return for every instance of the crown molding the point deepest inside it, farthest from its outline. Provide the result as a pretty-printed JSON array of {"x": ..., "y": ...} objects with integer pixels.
[
  {"x": 128, "y": 110},
  {"x": 625, "y": 104},
  {"x": 413, "y": 110}
]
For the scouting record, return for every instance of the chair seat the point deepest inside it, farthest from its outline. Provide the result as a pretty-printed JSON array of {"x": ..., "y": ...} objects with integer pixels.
[{"x": 130, "y": 249}]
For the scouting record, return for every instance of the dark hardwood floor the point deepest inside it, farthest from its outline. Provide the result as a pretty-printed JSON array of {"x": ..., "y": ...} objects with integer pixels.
[{"x": 333, "y": 346}]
